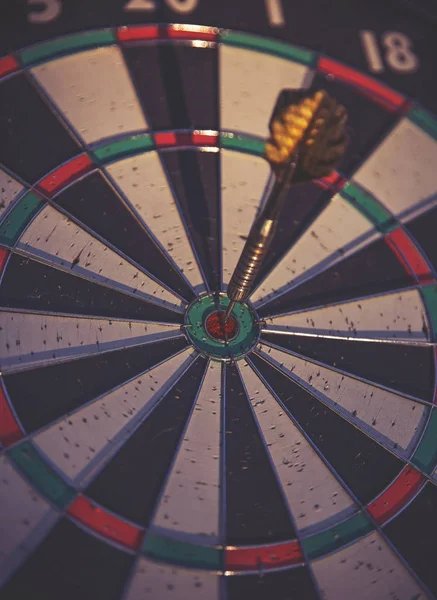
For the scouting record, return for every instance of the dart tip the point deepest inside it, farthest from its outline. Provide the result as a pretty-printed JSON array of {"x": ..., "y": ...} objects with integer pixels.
[{"x": 229, "y": 310}]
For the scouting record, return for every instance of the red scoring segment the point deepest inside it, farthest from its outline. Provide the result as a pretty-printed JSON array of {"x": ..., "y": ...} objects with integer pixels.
[
  {"x": 334, "y": 182},
  {"x": 163, "y": 32},
  {"x": 190, "y": 32},
  {"x": 131, "y": 34},
  {"x": 195, "y": 138},
  {"x": 65, "y": 174},
  {"x": 10, "y": 431},
  {"x": 3, "y": 257},
  {"x": 216, "y": 327},
  {"x": 410, "y": 257},
  {"x": 396, "y": 495},
  {"x": 377, "y": 92},
  {"x": 103, "y": 522},
  {"x": 8, "y": 64},
  {"x": 266, "y": 557}
]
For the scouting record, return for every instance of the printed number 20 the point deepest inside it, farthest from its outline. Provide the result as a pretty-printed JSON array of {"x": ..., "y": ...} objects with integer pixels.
[
  {"x": 275, "y": 14},
  {"x": 399, "y": 56},
  {"x": 179, "y": 6}
]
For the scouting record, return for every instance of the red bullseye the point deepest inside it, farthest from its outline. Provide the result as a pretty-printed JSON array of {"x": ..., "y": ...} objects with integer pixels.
[{"x": 218, "y": 330}]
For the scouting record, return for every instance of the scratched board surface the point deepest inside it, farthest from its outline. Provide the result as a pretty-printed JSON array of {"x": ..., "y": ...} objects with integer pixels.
[{"x": 142, "y": 455}]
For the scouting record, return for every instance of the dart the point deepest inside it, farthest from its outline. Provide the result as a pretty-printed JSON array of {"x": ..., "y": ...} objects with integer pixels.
[{"x": 307, "y": 141}]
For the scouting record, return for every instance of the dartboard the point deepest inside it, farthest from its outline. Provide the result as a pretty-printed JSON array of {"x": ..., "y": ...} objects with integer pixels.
[{"x": 145, "y": 450}]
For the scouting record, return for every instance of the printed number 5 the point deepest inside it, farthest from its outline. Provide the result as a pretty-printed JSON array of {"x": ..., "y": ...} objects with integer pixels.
[{"x": 50, "y": 10}]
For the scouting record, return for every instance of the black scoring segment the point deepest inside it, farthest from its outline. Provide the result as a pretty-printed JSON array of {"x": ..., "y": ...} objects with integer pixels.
[
  {"x": 195, "y": 178},
  {"x": 372, "y": 270},
  {"x": 291, "y": 584},
  {"x": 303, "y": 204},
  {"x": 176, "y": 83},
  {"x": 32, "y": 140},
  {"x": 96, "y": 204},
  {"x": 424, "y": 228},
  {"x": 31, "y": 285},
  {"x": 71, "y": 560},
  {"x": 414, "y": 534},
  {"x": 406, "y": 368},
  {"x": 39, "y": 396},
  {"x": 130, "y": 484},
  {"x": 255, "y": 508},
  {"x": 365, "y": 466},
  {"x": 367, "y": 122}
]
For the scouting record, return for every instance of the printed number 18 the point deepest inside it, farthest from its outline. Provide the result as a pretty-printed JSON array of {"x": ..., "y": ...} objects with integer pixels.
[{"x": 398, "y": 57}]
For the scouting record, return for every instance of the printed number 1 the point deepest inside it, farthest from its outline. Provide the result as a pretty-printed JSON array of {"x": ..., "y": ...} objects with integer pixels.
[
  {"x": 275, "y": 13},
  {"x": 399, "y": 56}
]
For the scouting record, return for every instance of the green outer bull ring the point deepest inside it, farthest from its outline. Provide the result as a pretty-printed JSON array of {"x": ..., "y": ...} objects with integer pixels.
[{"x": 248, "y": 328}]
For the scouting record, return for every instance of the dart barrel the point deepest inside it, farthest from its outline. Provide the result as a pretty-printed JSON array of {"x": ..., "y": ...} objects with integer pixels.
[{"x": 255, "y": 249}]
